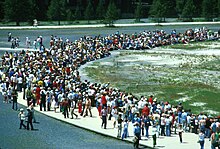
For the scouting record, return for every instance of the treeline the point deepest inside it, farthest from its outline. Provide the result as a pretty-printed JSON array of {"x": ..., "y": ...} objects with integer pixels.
[{"x": 106, "y": 10}]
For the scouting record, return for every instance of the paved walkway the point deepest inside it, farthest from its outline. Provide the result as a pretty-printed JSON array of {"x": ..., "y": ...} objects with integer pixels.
[
  {"x": 94, "y": 124},
  {"x": 103, "y": 25}
]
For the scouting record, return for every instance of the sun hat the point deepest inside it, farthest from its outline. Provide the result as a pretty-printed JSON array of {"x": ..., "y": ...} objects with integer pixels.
[{"x": 21, "y": 109}]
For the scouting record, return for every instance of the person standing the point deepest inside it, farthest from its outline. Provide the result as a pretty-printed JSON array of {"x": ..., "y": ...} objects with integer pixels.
[
  {"x": 43, "y": 100},
  {"x": 137, "y": 134},
  {"x": 154, "y": 135},
  {"x": 21, "y": 116},
  {"x": 65, "y": 108},
  {"x": 29, "y": 96},
  {"x": 125, "y": 130},
  {"x": 9, "y": 36},
  {"x": 119, "y": 125},
  {"x": 104, "y": 114},
  {"x": 147, "y": 124},
  {"x": 167, "y": 122},
  {"x": 214, "y": 140},
  {"x": 29, "y": 119},
  {"x": 88, "y": 107},
  {"x": 162, "y": 125},
  {"x": 14, "y": 99},
  {"x": 202, "y": 139}
]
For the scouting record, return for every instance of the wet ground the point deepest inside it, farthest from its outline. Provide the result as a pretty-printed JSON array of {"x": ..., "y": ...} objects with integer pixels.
[
  {"x": 76, "y": 33},
  {"x": 49, "y": 133}
]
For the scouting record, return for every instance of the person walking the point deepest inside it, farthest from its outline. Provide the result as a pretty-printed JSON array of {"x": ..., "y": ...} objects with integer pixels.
[
  {"x": 72, "y": 108},
  {"x": 21, "y": 116},
  {"x": 32, "y": 111},
  {"x": 201, "y": 139},
  {"x": 214, "y": 140},
  {"x": 104, "y": 114},
  {"x": 29, "y": 119},
  {"x": 180, "y": 132},
  {"x": 14, "y": 99}
]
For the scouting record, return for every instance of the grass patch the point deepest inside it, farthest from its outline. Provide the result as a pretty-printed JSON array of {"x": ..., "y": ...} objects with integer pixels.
[{"x": 187, "y": 46}]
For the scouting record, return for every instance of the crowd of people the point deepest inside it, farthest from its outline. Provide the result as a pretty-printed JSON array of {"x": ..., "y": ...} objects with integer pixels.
[{"x": 49, "y": 77}]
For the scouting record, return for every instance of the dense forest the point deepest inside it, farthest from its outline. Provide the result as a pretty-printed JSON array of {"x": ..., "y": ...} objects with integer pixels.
[{"x": 107, "y": 10}]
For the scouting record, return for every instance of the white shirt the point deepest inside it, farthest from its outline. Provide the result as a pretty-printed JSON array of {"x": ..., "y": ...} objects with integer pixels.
[{"x": 20, "y": 80}]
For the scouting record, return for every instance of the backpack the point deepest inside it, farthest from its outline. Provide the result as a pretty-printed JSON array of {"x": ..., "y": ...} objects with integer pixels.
[{"x": 29, "y": 94}]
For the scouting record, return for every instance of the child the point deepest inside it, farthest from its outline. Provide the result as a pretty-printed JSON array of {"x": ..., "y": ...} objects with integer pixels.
[
  {"x": 119, "y": 125},
  {"x": 180, "y": 132},
  {"x": 80, "y": 106},
  {"x": 21, "y": 116}
]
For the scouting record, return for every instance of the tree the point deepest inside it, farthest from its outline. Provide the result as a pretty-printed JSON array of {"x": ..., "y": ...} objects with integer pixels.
[
  {"x": 18, "y": 11},
  {"x": 179, "y": 7},
  {"x": 100, "y": 10},
  {"x": 57, "y": 10},
  {"x": 112, "y": 13},
  {"x": 208, "y": 9},
  {"x": 1, "y": 10},
  {"x": 157, "y": 10},
  {"x": 170, "y": 9},
  {"x": 78, "y": 13},
  {"x": 188, "y": 10},
  {"x": 138, "y": 11},
  {"x": 218, "y": 8},
  {"x": 89, "y": 12},
  {"x": 40, "y": 9}
]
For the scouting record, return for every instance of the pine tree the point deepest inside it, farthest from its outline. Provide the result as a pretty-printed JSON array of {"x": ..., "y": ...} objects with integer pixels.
[
  {"x": 112, "y": 13},
  {"x": 40, "y": 9},
  {"x": 18, "y": 11},
  {"x": 138, "y": 11},
  {"x": 57, "y": 10},
  {"x": 100, "y": 10},
  {"x": 179, "y": 7},
  {"x": 78, "y": 13},
  {"x": 1, "y": 10},
  {"x": 157, "y": 10},
  {"x": 218, "y": 8},
  {"x": 89, "y": 12},
  {"x": 189, "y": 10},
  {"x": 207, "y": 9}
]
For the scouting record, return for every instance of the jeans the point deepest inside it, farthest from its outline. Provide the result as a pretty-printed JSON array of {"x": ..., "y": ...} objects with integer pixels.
[
  {"x": 14, "y": 105},
  {"x": 167, "y": 130},
  {"x": 146, "y": 129},
  {"x": 202, "y": 144},
  {"x": 119, "y": 130},
  {"x": 207, "y": 132},
  {"x": 125, "y": 133}
]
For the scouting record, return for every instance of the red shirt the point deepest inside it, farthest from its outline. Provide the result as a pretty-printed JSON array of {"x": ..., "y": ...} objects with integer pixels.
[
  {"x": 103, "y": 100},
  {"x": 146, "y": 111},
  {"x": 38, "y": 91},
  {"x": 150, "y": 100}
]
